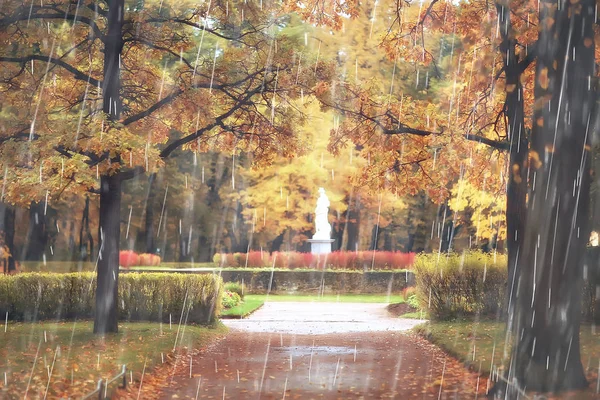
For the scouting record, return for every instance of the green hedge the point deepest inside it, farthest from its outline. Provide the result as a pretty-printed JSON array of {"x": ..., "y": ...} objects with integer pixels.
[
  {"x": 142, "y": 297},
  {"x": 450, "y": 285},
  {"x": 313, "y": 281},
  {"x": 474, "y": 283}
]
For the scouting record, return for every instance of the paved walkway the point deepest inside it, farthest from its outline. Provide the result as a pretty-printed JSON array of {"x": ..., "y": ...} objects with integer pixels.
[
  {"x": 320, "y": 351},
  {"x": 321, "y": 318}
]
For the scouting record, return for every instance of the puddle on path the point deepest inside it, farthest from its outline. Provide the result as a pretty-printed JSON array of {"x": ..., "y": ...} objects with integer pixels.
[{"x": 308, "y": 350}]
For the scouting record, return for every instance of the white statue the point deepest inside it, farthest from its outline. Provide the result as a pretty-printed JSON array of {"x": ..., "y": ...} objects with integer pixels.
[{"x": 321, "y": 222}]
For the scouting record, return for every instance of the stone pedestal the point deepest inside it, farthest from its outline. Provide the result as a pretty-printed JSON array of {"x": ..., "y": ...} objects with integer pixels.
[{"x": 320, "y": 246}]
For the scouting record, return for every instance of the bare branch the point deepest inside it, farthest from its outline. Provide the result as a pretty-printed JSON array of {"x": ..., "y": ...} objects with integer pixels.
[{"x": 76, "y": 73}]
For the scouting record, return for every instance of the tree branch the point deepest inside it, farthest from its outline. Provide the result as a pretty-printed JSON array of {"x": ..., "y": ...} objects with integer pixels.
[
  {"x": 76, "y": 73},
  {"x": 166, "y": 152},
  {"x": 498, "y": 145},
  {"x": 24, "y": 15}
]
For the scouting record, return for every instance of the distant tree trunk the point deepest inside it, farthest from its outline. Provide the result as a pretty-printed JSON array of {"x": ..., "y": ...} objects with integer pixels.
[
  {"x": 7, "y": 227},
  {"x": 105, "y": 319},
  {"x": 148, "y": 233},
  {"x": 546, "y": 352},
  {"x": 387, "y": 239},
  {"x": 86, "y": 241},
  {"x": 37, "y": 233},
  {"x": 373, "y": 240},
  {"x": 277, "y": 242}
]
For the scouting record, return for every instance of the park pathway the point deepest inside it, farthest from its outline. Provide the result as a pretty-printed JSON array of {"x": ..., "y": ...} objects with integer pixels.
[{"x": 322, "y": 351}]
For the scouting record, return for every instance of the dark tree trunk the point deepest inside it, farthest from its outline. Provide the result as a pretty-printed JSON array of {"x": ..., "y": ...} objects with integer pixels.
[
  {"x": 110, "y": 185},
  {"x": 277, "y": 242},
  {"x": 7, "y": 228},
  {"x": 387, "y": 239},
  {"x": 108, "y": 264},
  {"x": 516, "y": 190},
  {"x": 410, "y": 243},
  {"x": 374, "y": 237},
  {"x": 547, "y": 314},
  {"x": 148, "y": 233},
  {"x": 86, "y": 241},
  {"x": 37, "y": 234}
]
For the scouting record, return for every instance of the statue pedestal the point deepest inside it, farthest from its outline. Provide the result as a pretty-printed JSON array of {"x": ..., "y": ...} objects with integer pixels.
[{"x": 320, "y": 246}]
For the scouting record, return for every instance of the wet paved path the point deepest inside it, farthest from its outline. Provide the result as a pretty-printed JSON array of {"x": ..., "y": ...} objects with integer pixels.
[
  {"x": 321, "y": 318},
  {"x": 322, "y": 351}
]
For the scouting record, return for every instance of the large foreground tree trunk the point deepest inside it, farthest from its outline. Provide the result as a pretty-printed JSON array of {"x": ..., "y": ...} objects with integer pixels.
[
  {"x": 105, "y": 319},
  {"x": 108, "y": 264},
  {"x": 546, "y": 354}
]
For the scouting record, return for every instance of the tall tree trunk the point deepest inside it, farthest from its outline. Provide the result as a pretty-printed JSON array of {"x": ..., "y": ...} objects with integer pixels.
[
  {"x": 105, "y": 319},
  {"x": 7, "y": 228},
  {"x": 108, "y": 264},
  {"x": 547, "y": 314},
  {"x": 37, "y": 234},
  {"x": 516, "y": 190},
  {"x": 148, "y": 234},
  {"x": 374, "y": 237},
  {"x": 86, "y": 241},
  {"x": 277, "y": 242}
]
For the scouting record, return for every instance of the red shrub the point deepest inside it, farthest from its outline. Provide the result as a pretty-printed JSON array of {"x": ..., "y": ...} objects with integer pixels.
[
  {"x": 255, "y": 259},
  {"x": 307, "y": 260},
  {"x": 145, "y": 260},
  {"x": 155, "y": 260},
  {"x": 128, "y": 258},
  {"x": 337, "y": 260}
]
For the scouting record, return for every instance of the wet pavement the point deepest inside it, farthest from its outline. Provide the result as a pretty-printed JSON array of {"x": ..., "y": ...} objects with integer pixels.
[
  {"x": 321, "y": 351},
  {"x": 358, "y": 365},
  {"x": 321, "y": 318}
]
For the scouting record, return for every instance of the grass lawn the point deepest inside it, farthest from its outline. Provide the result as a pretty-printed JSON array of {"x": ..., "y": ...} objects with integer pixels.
[
  {"x": 67, "y": 360},
  {"x": 329, "y": 298},
  {"x": 481, "y": 344},
  {"x": 254, "y": 301},
  {"x": 249, "y": 305}
]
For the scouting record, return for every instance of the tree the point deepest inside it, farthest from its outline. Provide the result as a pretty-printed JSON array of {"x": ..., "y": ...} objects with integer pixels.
[
  {"x": 110, "y": 93},
  {"x": 487, "y": 98},
  {"x": 550, "y": 269}
]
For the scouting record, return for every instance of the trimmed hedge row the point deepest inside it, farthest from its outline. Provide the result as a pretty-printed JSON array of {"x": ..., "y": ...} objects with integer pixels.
[
  {"x": 474, "y": 283},
  {"x": 337, "y": 260},
  {"x": 324, "y": 281},
  {"x": 142, "y": 297},
  {"x": 461, "y": 284}
]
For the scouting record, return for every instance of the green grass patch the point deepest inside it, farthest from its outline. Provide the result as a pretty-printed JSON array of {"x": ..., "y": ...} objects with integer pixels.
[
  {"x": 476, "y": 344},
  {"x": 415, "y": 315},
  {"x": 68, "y": 359},
  {"x": 481, "y": 344},
  {"x": 245, "y": 308},
  {"x": 328, "y": 298}
]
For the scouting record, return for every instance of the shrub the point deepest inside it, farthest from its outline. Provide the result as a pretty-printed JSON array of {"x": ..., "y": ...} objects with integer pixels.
[
  {"x": 235, "y": 287},
  {"x": 338, "y": 260},
  {"x": 461, "y": 284},
  {"x": 147, "y": 296},
  {"x": 409, "y": 292},
  {"x": 128, "y": 258},
  {"x": 230, "y": 299},
  {"x": 413, "y": 301}
]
